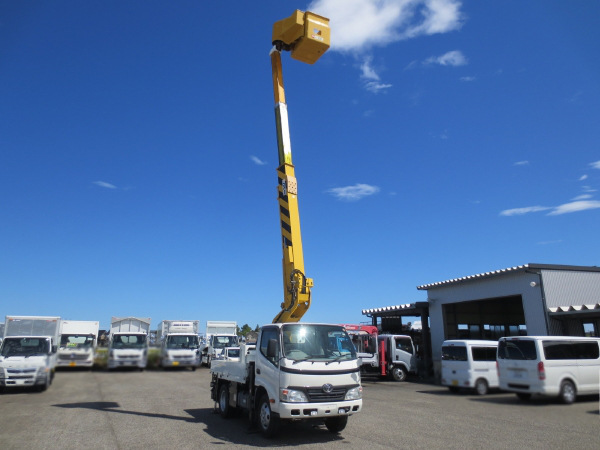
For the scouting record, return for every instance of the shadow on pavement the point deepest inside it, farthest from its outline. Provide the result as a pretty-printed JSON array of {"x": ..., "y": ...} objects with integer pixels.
[{"x": 236, "y": 430}]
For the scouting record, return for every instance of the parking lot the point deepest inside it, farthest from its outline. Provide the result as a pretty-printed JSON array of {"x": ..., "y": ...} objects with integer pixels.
[{"x": 172, "y": 409}]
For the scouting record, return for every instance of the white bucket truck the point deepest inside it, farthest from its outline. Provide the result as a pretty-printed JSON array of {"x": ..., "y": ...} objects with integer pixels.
[
  {"x": 28, "y": 351},
  {"x": 128, "y": 342},
  {"x": 219, "y": 334},
  {"x": 78, "y": 339},
  {"x": 179, "y": 343},
  {"x": 296, "y": 371}
]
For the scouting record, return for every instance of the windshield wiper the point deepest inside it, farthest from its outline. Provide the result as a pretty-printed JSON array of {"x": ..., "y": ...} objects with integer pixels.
[{"x": 336, "y": 359}]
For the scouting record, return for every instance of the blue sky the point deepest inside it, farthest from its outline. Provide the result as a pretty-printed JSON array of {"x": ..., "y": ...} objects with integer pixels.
[{"x": 435, "y": 139}]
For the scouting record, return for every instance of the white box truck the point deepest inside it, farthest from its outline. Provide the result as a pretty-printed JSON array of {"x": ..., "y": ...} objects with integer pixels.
[
  {"x": 179, "y": 343},
  {"x": 219, "y": 334},
  {"x": 78, "y": 339},
  {"x": 128, "y": 345},
  {"x": 28, "y": 351}
]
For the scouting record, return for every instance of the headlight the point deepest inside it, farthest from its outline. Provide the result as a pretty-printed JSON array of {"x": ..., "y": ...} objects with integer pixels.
[
  {"x": 292, "y": 396},
  {"x": 354, "y": 393}
]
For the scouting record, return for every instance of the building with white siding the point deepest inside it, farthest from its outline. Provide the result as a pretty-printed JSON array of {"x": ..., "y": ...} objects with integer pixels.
[{"x": 532, "y": 299}]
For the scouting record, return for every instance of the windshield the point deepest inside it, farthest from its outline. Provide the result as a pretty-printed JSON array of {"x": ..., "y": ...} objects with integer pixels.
[
  {"x": 182, "y": 342},
  {"x": 129, "y": 341},
  {"x": 76, "y": 341},
  {"x": 517, "y": 349},
  {"x": 317, "y": 343},
  {"x": 224, "y": 341},
  {"x": 25, "y": 347}
]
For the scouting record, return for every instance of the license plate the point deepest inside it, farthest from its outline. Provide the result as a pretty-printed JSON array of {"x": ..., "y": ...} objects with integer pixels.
[
  {"x": 454, "y": 382},
  {"x": 175, "y": 363},
  {"x": 517, "y": 373},
  {"x": 72, "y": 364}
]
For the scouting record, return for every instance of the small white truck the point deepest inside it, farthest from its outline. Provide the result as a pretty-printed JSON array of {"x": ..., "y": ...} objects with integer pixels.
[
  {"x": 28, "y": 351},
  {"x": 296, "y": 371},
  {"x": 179, "y": 343},
  {"x": 386, "y": 355},
  {"x": 128, "y": 345},
  {"x": 219, "y": 334},
  {"x": 78, "y": 340}
]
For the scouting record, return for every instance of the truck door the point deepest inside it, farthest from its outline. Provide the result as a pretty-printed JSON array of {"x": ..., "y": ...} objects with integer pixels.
[
  {"x": 267, "y": 367},
  {"x": 404, "y": 351}
]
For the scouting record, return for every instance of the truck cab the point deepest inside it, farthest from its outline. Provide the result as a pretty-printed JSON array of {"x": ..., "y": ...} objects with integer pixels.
[
  {"x": 296, "y": 372},
  {"x": 28, "y": 351},
  {"x": 399, "y": 355}
]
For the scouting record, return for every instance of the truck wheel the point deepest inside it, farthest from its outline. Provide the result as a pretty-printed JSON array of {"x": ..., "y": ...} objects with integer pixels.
[
  {"x": 481, "y": 387},
  {"x": 567, "y": 392},
  {"x": 399, "y": 374},
  {"x": 224, "y": 409},
  {"x": 268, "y": 421},
  {"x": 336, "y": 424}
]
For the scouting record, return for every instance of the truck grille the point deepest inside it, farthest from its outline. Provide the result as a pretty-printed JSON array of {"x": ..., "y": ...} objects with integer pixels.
[
  {"x": 73, "y": 357},
  {"x": 316, "y": 394},
  {"x": 15, "y": 374}
]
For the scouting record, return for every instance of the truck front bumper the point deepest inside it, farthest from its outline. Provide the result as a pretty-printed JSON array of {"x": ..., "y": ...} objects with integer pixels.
[
  {"x": 318, "y": 410},
  {"x": 19, "y": 380},
  {"x": 114, "y": 363}
]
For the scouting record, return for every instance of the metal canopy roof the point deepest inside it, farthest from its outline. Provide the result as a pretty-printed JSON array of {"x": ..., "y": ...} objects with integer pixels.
[
  {"x": 409, "y": 309},
  {"x": 523, "y": 268},
  {"x": 573, "y": 309}
]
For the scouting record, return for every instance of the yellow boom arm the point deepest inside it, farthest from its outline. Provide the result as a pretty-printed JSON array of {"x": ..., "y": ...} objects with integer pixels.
[{"x": 306, "y": 35}]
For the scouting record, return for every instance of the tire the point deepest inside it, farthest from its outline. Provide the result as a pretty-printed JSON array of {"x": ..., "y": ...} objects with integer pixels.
[
  {"x": 399, "y": 373},
  {"x": 567, "y": 392},
  {"x": 336, "y": 424},
  {"x": 268, "y": 421},
  {"x": 481, "y": 387},
  {"x": 523, "y": 396},
  {"x": 223, "y": 401}
]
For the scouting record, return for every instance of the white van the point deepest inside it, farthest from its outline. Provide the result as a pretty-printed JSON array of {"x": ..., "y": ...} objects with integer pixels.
[
  {"x": 549, "y": 365},
  {"x": 469, "y": 364}
]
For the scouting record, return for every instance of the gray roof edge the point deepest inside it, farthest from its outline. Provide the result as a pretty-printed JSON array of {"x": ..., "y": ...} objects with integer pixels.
[{"x": 524, "y": 267}]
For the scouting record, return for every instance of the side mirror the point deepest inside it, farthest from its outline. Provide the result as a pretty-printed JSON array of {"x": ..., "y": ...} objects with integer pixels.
[
  {"x": 54, "y": 348},
  {"x": 272, "y": 349}
]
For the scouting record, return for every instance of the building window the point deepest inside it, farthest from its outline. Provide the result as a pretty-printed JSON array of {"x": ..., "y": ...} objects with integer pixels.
[{"x": 590, "y": 329}]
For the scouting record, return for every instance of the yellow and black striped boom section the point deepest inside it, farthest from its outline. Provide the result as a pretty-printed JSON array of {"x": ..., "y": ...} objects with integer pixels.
[{"x": 307, "y": 36}]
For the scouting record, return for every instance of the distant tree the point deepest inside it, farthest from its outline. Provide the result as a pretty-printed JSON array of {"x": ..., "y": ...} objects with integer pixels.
[
  {"x": 244, "y": 330},
  {"x": 257, "y": 329}
]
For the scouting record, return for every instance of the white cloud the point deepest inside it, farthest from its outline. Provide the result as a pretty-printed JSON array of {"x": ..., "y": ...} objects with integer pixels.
[
  {"x": 595, "y": 165},
  {"x": 558, "y": 241},
  {"x": 358, "y": 25},
  {"x": 522, "y": 211},
  {"x": 371, "y": 78},
  {"x": 104, "y": 184},
  {"x": 453, "y": 58},
  {"x": 353, "y": 193},
  {"x": 574, "y": 206},
  {"x": 583, "y": 177},
  {"x": 522, "y": 163},
  {"x": 582, "y": 197},
  {"x": 467, "y": 79},
  {"x": 256, "y": 160},
  {"x": 581, "y": 205}
]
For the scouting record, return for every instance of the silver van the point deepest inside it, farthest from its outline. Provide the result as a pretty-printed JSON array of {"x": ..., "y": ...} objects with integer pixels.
[
  {"x": 549, "y": 365},
  {"x": 469, "y": 364}
]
